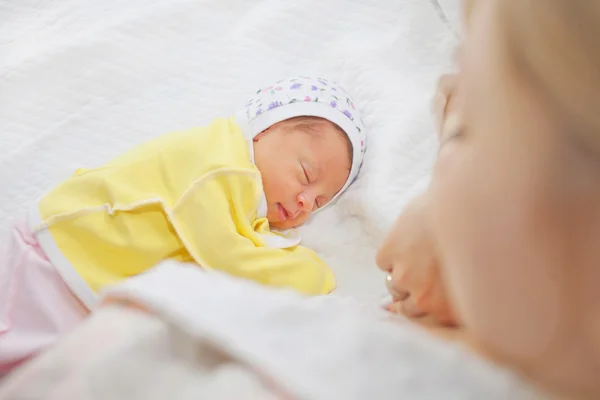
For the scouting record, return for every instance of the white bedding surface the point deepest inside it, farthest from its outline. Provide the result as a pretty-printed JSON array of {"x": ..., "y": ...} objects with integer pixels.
[
  {"x": 210, "y": 336},
  {"x": 82, "y": 80}
]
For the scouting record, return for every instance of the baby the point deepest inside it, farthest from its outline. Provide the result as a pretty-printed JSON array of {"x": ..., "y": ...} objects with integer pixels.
[{"x": 206, "y": 195}]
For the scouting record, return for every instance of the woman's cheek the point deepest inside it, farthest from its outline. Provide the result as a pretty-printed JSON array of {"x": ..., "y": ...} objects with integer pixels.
[
  {"x": 499, "y": 245},
  {"x": 449, "y": 186},
  {"x": 460, "y": 217}
]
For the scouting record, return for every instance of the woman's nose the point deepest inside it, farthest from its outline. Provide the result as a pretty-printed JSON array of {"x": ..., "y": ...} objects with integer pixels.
[{"x": 383, "y": 258}]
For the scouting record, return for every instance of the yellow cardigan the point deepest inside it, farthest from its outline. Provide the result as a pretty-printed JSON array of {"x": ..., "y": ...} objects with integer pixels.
[{"x": 189, "y": 196}]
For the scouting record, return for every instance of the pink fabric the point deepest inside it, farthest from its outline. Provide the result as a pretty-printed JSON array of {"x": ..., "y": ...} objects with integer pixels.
[{"x": 36, "y": 305}]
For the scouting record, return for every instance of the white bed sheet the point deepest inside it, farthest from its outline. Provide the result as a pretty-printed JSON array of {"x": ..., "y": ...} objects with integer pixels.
[{"x": 82, "y": 80}]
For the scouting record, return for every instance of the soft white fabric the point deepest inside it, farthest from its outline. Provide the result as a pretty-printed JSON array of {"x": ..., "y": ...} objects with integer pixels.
[
  {"x": 211, "y": 336},
  {"x": 123, "y": 355},
  {"x": 320, "y": 348},
  {"x": 83, "y": 80}
]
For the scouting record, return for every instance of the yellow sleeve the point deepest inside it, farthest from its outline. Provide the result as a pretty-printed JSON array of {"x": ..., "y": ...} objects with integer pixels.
[{"x": 213, "y": 220}]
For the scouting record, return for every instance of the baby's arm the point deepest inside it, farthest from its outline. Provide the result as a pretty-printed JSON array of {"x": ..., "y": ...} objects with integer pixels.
[{"x": 213, "y": 223}]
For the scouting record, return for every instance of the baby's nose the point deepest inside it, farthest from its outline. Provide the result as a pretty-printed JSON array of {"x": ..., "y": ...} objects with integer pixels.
[{"x": 306, "y": 202}]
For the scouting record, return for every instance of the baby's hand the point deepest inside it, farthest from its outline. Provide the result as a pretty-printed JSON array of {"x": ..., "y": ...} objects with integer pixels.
[{"x": 410, "y": 257}]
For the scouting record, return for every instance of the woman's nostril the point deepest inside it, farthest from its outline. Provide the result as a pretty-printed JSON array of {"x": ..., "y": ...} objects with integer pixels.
[{"x": 383, "y": 262}]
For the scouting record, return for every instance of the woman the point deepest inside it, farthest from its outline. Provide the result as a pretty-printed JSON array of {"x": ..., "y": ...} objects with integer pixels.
[
  {"x": 513, "y": 211},
  {"x": 503, "y": 244}
]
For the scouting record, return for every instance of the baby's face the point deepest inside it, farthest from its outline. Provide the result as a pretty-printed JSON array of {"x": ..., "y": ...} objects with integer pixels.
[{"x": 302, "y": 168}]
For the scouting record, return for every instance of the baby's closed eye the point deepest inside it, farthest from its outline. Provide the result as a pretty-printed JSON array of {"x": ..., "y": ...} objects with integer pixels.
[{"x": 306, "y": 173}]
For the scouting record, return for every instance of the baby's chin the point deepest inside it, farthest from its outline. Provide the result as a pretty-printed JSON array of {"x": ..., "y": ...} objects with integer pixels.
[{"x": 282, "y": 225}]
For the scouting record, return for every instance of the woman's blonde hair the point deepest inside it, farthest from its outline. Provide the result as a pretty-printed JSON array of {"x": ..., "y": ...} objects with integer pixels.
[{"x": 556, "y": 43}]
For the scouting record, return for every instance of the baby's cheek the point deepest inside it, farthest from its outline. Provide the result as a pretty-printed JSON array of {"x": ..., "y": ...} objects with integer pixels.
[{"x": 301, "y": 219}]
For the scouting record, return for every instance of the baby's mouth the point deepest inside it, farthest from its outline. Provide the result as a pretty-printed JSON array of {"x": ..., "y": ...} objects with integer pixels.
[{"x": 283, "y": 213}]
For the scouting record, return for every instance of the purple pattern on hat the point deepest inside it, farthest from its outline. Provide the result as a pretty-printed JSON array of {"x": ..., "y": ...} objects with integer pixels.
[{"x": 274, "y": 104}]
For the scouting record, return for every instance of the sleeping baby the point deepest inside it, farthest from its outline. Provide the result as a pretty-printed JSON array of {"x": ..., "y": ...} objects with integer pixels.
[{"x": 205, "y": 195}]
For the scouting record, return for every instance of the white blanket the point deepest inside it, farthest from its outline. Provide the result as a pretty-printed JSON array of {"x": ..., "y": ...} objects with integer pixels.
[
  {"x": 209, "y": 336},
  {"x": 82, "y": 80}
]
